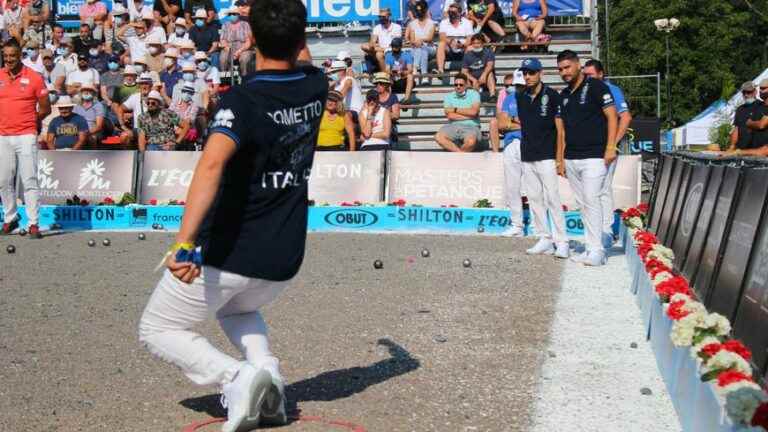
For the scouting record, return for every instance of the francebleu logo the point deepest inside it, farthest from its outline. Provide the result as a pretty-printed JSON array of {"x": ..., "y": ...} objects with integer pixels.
[
  {"x": 92, "y": 176},
  {"x": 45, "y": 174}
]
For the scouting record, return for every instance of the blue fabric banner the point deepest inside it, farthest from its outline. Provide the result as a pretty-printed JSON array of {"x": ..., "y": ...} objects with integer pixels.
[{"x": 556, "y": 7}]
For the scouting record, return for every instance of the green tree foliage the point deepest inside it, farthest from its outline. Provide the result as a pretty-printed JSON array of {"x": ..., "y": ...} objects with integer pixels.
[{"x": 718, "y": 43}]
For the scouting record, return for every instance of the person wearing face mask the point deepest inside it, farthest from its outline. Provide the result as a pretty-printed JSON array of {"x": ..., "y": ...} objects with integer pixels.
[
  {"x": 85, "y": 40},
  {"x": 186, "y": 53},
  {"x": 399, "y": 66},
  {"x": 128, "y": 88},
  {"x": 192, "y": 8},
  {"x": 137, "y": 9},
  {"x": 116, "y": 20},
  {"x": 478, "y": 65},
  {"x": 420, "y": 33},
  {"x": 236, "y": 41},
  {"x": 381, "y": 39},
  {"x": 189, "y": 77},
  {"x": 54, "y": 74},
  {"x": 154, "y": 58},
  {"x": 171, "y": 73},
  {"x": 93, "y": 112},
  {"x": 179, "y": 32},
  {"x": 205, "y": 36},
  {"x": 111, "y": 80},
  {"x": 66, "y": 57},
  {"x": 187, "y": 111},
  {"x": 94, "y": 13},
  {"x": 741, "y": 135},
  {"x": 140, "y": 64},
  {"x": 98, "y": 59},
  {"x": 158, "y": 127},
  {"x": 375, "y": 124},
  {"x": 207, "y": 72},
  {"x": 83, "y": 74},
  {"x": 454, "y": 32},
  {"x": 32, "y": 57},
  {"x": 154, "y": 28},
  {"x": 137, "y": 45},
  {"x": 462, "y": 109},
  {"x": 42, "y": 138}
]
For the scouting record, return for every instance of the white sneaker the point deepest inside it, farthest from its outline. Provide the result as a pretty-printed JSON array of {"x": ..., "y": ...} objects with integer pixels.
[
  {"x": 562, "y": 250},
  {"x": 595, "y": 259},
  {"x": 580, "y": 258},
  {"x": 542, "y": 247},
  {"x": 273, "y": 409},
  {"x": 244, "y": 398},
  {"x": 607, "y": 241},
  {"x": 512, "y": 231}
]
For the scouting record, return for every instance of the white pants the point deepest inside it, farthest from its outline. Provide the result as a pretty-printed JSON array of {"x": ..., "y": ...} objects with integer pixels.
[
  {"x": 541, "y": 186},
  {"x": 233, "y": 299},
  {"x": 587, "y": 177},
  {"x": 19, "y": 154},
  {"x": 513, "y": 177},
  {"x": 606, "y": 199}
]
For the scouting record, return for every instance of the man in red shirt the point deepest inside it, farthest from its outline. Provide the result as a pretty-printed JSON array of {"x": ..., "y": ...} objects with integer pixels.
[{"x": 24, "y": 104}]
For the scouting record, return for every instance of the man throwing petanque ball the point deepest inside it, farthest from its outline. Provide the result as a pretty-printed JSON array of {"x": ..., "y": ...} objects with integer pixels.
[{"x": 245, "y": 223}]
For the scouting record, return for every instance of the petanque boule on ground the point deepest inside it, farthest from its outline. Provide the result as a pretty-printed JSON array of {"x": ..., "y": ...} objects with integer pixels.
[
  {"x": 425, "y": 253},
  {"x": 378, "y": 264},
  {"x": 106, "y": 242},
  {"x": 142, "y": 236},
  {"x": 91, "y": 242},
  {"x": 22, "y": 232},
  {"x": 10, "y": 249},
  {"x": 466, "y": 263}
]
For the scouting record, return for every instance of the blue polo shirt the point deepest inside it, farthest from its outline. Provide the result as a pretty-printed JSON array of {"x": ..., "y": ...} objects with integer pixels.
[
  {"x": 618, "y": 97},
  {"x": 509, "y": 106}
]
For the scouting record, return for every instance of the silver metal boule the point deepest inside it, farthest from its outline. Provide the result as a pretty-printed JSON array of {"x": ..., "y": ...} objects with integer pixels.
[
  {"x": 425, "y": 253},
  {"x": 10, "y": 249},
  {"x": 91, "y": 242},
  {"x": 142, "y": 236},
  {"x": 467, "y": 263},
  {"x": 106, "y": 242},
  {"x": 378, "y": 264}
]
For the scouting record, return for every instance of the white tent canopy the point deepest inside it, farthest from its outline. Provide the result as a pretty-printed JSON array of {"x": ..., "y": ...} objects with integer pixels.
[{"x": 696, "y": 131}]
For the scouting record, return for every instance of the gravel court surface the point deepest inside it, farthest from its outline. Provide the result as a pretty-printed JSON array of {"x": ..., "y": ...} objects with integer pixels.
[
  {"x": 599, "y": 363},
  {"x": 423, "y": 344}
]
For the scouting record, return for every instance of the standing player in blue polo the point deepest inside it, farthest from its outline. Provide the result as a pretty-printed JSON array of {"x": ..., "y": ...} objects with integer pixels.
[
  {"x": 594, "y": 69},
  {"x": 247, "y": 211},
  {"x": 509, "y": 121},
  {"x": 590, "y": 120},
  {"x": 541, "y": 153}
]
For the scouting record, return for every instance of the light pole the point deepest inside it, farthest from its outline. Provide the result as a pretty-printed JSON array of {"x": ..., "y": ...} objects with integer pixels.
[{"x": 667, "y": 25}]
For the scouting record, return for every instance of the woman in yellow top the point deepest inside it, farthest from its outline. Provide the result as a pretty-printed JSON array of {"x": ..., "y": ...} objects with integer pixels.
[{"x": 334, "y": 124}]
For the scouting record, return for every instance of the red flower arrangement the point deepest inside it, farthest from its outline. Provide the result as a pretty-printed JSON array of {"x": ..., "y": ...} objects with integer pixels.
[
  {"x": 731, "y": 376},
  {"x": 399, "y": 203},
  {"x": 731, "y": 345},
  {"x": 655, "y": 264},
  {"x": 676, "y": 312},
  {"x": 659, "y": 268},
  {"x": 153, "y": 202},
  {"x": 760, "y": 418},
  {"x": 672, "y": 286},
  {"x": 630, "y": 213},
  {"x": 643, "y": 208},
  {"x": 351, "y": 204}
]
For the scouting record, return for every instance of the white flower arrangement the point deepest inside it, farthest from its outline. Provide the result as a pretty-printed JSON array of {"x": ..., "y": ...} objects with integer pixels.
[
  {"x": 734, "y": 387},
  {"x": 742, "y": 404},
  {"x": 634, "y": 222},
  {"x": 725, "y": 360},
  {"x": 717, "y": 323},
  {"x": 684, "y": 330},
  {"x": 661, "y": 252},
  {"x": 661, "y": 277}
]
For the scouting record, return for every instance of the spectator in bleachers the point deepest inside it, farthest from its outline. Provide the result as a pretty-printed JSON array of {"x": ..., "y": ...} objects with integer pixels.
[
  {"x": 399, "y": 66},
  {"x": 136, "y": 44},
  {"x": 421, "y": 34},
  {"x": 205, "y": 36},
  {"x": 187, "y": 111},
  {"x": 93, "y": 112},
  {"x": 137, "y": 104},
  {"x": 179, "y": 32},
  {"x": 37, "y": 31},
  {"x": 387, "y": 99},
  {"x": 462, "y": 4},
  {"x": 117, "y": 19},
  {"x": 381, "y": 38},
  {"x": 167, "y": 11},
  {"x": 488, "y": 17},
  {"x": 42, "y": 137},
  {"x": 455, "y": 32},
  {"x": 32, "y": 57},
  {"x": 530, "y": 16},
  {"x": 236, "y": 43},
  {"x": 128, "y": 87},
  {"x": 171, "y": 73},
  {"x": 67, "y": 58},
  {"x": 462, "y": 108},
  {"x": 84, "y": 40},
  {"x": 189, "y": 76},
  {"x": 186, "y": 53},
  {"x": 158, "y": 127},
  {"x": 375, "y": 123},
  {"x": 344, "y": 82},
  {"x": 155, "y": 55},
  {"x": 67, "y": 131},
  {"x": 111, "y": 80},
  {"x": 94, "y": 13},
  {"x": 140, "y": 64},
  {"x": 35, "y": 9},
  {"x": 334, "y": 124},
  {"x": 478, "y": 65},
  {"x": 12, "y": 16},
  {"x": 57, "y": 34},
  {"x": 98, "y": 59},
  {"x": 84, "y": 74},
  {"x": 207, "y": 72},
  {"x": 154, "y": 27},
  {"x": 192, "y": 6},
  {"x": 506, "y": 122},
  {"x": 54, "y": 74},
  {"x": 137, "y": 9},
  {"x": 412, "y": 11}
]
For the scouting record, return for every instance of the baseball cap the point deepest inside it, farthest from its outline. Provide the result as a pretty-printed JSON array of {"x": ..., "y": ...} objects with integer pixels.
[
  {"x": 145, "y": 78},
  {"x": 372, "y": 94},
  {"x": 337, "y": 65},
  {"x": 113, "y": 58},
  {"x": 531, "y": 64},
  {"x": 519, "y": 77},
  {"x": 748, "y": 86},
  {"x": 154, "y": 94},
  {"x": 396, "y": 42},
  {"x": 381, "y": 77},
  {"x": 82, "y": 56},
  {"x": 343, "y": 55}
]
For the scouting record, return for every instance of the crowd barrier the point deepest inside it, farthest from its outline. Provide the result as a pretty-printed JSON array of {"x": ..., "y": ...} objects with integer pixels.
[
  {"x": 421, "y": 178},
  {"x": 712, "y": 212}
]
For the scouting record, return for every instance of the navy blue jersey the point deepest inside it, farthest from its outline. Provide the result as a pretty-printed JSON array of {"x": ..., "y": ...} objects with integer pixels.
[
  {"x": 586, "y": 128},
  {"x": 537, "y": 123},
  {"x": 257, "y": 226}
]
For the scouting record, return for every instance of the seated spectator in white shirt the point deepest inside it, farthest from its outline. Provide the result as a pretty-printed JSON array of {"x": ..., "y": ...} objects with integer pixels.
[
  {"x": 93, "y": 112},
  {"x": 381, "y": 37},
  {"x": 207, "y": 72},
  {"x": 153, "y": 26},
  {"x": 448, "y": 3},
  {"x": 137, "y": 102},
  {"x": 179, "y": 32},
  {"x": 186, "y": 53},
  {"x": 54, "y": 74},
  {"x": 137, "y": 45},
  {"x": 68, "y": 58},
  {"x": 202, "y": 94},
  {"x": 84, "y": 74},
  {"x": 32, "y": 58},
  {"x": 455, "y": 32}
]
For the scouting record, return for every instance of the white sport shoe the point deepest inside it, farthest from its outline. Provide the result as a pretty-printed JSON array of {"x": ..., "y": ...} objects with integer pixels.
[
  {"x": 512, "y": 231},
  {"x": 244, "y": 398},
  {"x": 595, "y": 259},
  {"x": 273, "y": 409},
  {"x": 542, "y": 247},
  {"x": 607, "y": 241},
  {"x": 580, "y": 258},
  {"x": 562, "y": 250}
]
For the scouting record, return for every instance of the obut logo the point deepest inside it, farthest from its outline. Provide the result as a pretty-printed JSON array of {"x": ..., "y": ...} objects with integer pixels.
[
  {"x": 689, "y": 212},
  {"x": 573, "y": 222},
  {"x": 351, "y": 218}
]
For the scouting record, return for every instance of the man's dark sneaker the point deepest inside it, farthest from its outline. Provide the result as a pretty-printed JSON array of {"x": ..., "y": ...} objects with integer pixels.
[
  {"x": 9, "y": 227},
  {"x": 34, "y": 232}
]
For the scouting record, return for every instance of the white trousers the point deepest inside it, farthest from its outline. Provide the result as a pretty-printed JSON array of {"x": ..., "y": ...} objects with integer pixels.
[
  {"x": 606, "y": 198},
  {"x": 513, "y": 177},
  {"x": 19, "y": 154},
  {"x": 587, "y": 177},
  {"x": 541, "y": 186},
  {"x": 175, "y": 307}
]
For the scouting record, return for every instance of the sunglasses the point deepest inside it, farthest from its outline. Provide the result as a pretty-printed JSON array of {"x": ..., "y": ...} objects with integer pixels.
[
  {"x": 459, "y": 85},
  {"x": 152, "y": 103},
  {"x": 528, "y": 72},
  {"x": 763, "y": 88}
]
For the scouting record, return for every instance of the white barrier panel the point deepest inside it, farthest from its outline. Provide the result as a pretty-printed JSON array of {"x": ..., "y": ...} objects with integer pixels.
[
  {"x": 166, "y": 175},
  {"x": 626, "y": 184},
  {"x": 347, "y": 176},
  {"x": 436, "y": 179}
]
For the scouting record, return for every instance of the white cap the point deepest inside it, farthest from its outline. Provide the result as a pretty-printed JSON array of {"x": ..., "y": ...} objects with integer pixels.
[
  {"x": 338, "y": 65},
  {"x": 145, "y": 78},
  {"x": 343, "y": 55},
  {"x": 172, "y": 52},
  {"x": 140, "y": 60},
  {"x": 147, "y": 14},
  {"x": 201, "y": 13},
  {"x": 129, "y": 70},
  {"x": 154, "y": 94},
  {"x": 200, "y": 55},
  {"x": 519, "y": 78},
  {"x": 118, "y": 9},
  {"x": 181, "y": 21},
  {"x": 154, "y": 39},
  {"x": 87, "y": 86},
  {"x": 64, "y": 101},
  {"x": 186, "y": 44}
]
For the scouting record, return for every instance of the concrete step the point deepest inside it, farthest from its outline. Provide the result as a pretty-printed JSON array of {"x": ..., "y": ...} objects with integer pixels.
[{"x": 429, "y": 128}]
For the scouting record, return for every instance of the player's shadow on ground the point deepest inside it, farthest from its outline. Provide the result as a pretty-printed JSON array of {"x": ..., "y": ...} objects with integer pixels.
[{"x": 328, "y": 386}]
